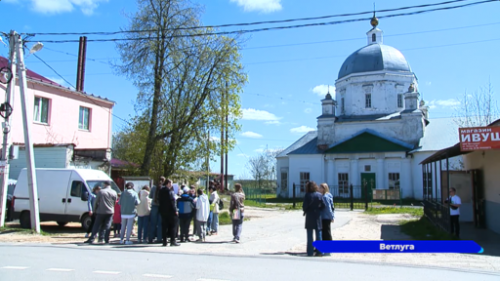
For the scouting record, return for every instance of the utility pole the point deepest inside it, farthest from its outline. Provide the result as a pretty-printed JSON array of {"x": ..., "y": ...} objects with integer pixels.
[
  {"x": 6, "y": 128},
  {"x": 208, "y": 159},
  {"x": 227, "y": 136},
  {"x": 32, "y": 186},
  {"x": 222, "y": 144}
]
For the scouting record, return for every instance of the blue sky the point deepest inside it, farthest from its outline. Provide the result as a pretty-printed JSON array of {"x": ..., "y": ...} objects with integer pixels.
[{"x": 289, "y": 70}]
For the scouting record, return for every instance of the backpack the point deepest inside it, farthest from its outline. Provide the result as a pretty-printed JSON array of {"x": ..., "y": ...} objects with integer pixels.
[{"x": 221, "y": 204}]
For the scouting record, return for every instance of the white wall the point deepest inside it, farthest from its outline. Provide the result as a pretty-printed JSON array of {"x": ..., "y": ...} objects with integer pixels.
[
  {"x": 313, "y": 164},
  {"x": 408, "y": 130},
  {"x": 383, "y": 86}
]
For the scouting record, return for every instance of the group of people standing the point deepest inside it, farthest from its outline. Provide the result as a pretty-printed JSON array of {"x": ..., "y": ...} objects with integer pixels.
[
  {"x": 160, "y": 213},
  {"x": 319, "y": 211}
]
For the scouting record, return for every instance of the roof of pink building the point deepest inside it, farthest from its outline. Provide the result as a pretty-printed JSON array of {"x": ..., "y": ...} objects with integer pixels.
[{"x": 35, "y": 77}]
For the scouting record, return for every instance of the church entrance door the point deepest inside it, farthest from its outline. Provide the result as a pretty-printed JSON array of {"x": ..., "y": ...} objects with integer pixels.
[{"x": 368, "y": 183}]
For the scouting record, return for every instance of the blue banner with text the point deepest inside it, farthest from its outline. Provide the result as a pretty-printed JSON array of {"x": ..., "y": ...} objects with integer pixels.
[{"x": 363, "y": 246}]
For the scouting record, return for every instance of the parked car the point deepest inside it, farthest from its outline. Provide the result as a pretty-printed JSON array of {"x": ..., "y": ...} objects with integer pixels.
[{"x": 62, "y": 195}]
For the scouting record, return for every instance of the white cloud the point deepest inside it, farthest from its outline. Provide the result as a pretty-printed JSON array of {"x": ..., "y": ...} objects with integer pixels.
[
  {"x": 253, "y": 135},
  {"x": 265, "y": 6},
  {"x": 449, "y": 103},
  {"x": 308, "y": 110},
  {"x": 259, "y": 115},
  {"x": 274, "y": 122},
  {"x": 62, "y": 6},
  {"x": 215, "y": 139},
  {"x": 302, "y": 129},
  {"x": 322, "y": 90},
  {"x": 242, "y": 155}
]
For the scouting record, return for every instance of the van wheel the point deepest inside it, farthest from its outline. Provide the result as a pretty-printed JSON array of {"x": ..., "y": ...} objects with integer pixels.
[
  {"x": 86, "y": 220},
  {"x": 62, "y": 223},
  {"x": 25, "y": 219}
]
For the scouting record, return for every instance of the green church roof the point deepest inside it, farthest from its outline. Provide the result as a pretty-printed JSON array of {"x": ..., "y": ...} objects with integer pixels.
[{"x": 368, "y": 141}]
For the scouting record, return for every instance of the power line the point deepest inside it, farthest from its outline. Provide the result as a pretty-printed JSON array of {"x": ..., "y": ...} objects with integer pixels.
[
  {"x": 363, "y": 38},
  {"x": 298, "y": 44},
  {"x": 329, "y": 57},
  {"x": 60, "y": 76},
  {"x": 104, "y": 33},
  {"x": 269, "y": 28}
]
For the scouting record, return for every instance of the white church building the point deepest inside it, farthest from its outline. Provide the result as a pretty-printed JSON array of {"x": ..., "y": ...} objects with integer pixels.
[{"x": 374, "y": 133}]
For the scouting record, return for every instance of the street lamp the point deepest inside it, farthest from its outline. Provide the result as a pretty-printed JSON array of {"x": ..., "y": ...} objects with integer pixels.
[{"x": 37, "y": 47}]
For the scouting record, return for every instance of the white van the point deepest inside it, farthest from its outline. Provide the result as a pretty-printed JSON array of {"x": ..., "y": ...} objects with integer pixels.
[{"x": 62, "y": 195}]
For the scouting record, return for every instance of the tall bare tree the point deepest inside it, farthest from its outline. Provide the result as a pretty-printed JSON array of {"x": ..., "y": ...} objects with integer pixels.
[
  {"x": 478, "y": 108},
  {"x": 263, "y": 166}
]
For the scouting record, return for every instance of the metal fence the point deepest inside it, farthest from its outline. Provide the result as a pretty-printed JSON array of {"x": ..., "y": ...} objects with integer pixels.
[
  {"x": 344, "y": 197},
  {"x": 437, "y": 213}
]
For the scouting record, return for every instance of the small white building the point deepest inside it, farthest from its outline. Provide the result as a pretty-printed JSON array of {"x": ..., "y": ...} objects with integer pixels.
[{"x": 374, "y": 134}]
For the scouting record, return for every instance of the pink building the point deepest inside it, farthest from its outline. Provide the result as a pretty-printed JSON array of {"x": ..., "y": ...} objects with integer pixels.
[{"x": 68, "y": 128}]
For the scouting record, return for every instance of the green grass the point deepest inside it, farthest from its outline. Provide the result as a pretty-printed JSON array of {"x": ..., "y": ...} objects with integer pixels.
[
  {"x": 423, "y": 229},
  {"x": 5, "y": 230},
  {"x": 417, "y": 212},
  {"x": 253, "y": 203},
  {"x": 224, "y": 218}
]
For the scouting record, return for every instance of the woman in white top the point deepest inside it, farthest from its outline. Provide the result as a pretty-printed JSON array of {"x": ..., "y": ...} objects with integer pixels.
[{"x": 202, "y": 211}]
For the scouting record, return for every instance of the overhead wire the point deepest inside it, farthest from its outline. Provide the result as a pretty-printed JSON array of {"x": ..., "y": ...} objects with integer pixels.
[
  {"x": 85, "y": 95},
  {"x": 306, "y": 43},
  {"x": 362, "y": 38},
  {"x": 268, "y": 28},
  {"x": 255, "y": 23},
  {"x": 275, "y": 28}
]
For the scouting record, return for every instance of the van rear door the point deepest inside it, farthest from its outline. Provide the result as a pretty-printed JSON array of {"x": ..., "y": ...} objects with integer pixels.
[{"x": 52, "y": 186}]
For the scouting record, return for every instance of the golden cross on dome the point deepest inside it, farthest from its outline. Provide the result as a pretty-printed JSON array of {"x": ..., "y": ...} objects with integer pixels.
[{"x": 374, "y": 20}]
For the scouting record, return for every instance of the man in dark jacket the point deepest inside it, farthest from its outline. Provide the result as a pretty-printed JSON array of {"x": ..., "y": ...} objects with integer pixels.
[
  {"x": 312, "y": 206},
  {"x": 169, "y": 214}
]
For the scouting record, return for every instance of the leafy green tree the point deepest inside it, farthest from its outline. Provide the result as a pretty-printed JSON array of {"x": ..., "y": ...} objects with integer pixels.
[{"x": 187, "y": 79}]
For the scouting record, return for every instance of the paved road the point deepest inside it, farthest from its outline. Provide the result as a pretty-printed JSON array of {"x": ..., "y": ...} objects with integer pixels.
[{"x": 23, "y": 262}]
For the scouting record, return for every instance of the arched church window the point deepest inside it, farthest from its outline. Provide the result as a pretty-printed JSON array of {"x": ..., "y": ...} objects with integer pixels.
[{"x": 374, "y": 37}]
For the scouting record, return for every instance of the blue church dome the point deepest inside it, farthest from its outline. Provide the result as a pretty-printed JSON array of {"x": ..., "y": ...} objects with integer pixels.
[{"x": 374, "y": 57}]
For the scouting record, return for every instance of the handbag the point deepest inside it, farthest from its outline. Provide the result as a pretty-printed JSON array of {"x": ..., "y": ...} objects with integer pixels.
[{"x": 236, "y": 214}]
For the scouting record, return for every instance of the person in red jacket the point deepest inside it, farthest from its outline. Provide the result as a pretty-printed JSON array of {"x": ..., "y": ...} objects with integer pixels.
[{"x": 117, "y": 218}]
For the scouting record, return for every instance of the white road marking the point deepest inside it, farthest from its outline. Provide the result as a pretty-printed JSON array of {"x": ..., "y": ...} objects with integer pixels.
[
  {"x": 15, "y": 267},
  {"x": 106, "y": 272},
  {"x": 60, "y": 269},
  {"x": 158, "y": 276},
  {"x": 205, "y": 279}
]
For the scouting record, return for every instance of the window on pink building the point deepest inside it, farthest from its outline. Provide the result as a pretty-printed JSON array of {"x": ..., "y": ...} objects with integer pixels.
[
  {"x": 84, "y": 119},
  {"x": 41, "y": 110}
]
